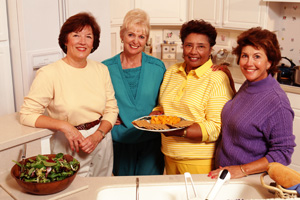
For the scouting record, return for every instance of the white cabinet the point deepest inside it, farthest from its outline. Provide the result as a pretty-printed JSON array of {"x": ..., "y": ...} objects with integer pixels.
[
  {"x": 118, "y": 9},
  {"x": 166, "y": 12},
  {"x": 285, "y": 1},
  {"x": 234, "y": 14},
  {"x": 116, "y": 44},
  {"x": 210, "y": 11},
  {"x": 294, "y": 100}
]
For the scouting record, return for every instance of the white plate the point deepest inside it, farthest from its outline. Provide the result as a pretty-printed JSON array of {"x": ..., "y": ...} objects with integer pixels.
[{"x": 148, "y": 118}]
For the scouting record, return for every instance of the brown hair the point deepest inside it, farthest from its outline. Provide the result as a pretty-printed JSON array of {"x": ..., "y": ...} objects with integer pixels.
[
  {"x": 77, "y": 23},
  {"x": 260, "y": 38},
  {"x": 199, "y": 27},
  {"x": 136, "y": 17}
]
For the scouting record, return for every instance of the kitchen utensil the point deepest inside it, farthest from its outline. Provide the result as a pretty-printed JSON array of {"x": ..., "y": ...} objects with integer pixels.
[
  {"x": 221, "y": 57},
  {"x": 43, "y": 188},
  {"x": 297, "y": 75},
  {"x": 187, "y": 176},
  {"x": 286, "y": 72},
  {"x": 23, "y": 156},
  {"x": 137, "y": 182},
  {"x": 224, "y": 176}
]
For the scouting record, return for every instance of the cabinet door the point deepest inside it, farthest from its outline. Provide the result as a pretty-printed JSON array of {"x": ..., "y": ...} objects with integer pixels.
[
  {"x": 243, "y": 14},
  {"x": 118, "y": 10},
  {"x": 116, "y": 44},
  {"x": 166, "y": 12},
  {"x": 294, "y": 100},
  {"x": 210, "y": 11}
]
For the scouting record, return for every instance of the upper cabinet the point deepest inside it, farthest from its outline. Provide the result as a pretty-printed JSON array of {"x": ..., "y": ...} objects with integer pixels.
[
  {"x": 210, "y": 11},
  {"x": 166, "y": 12},
  {"x": 234, "y": 14},
  {"x": 118, "y": 10},
  {"x": 284, "y": 1}
]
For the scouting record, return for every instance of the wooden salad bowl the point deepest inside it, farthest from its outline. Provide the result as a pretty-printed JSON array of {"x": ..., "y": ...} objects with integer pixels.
[{"x": 43, "y": 188}]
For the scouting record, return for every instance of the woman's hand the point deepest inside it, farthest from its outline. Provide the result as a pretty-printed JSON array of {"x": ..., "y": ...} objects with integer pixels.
[
  {"x": 73, "y": 136},
  {"x": 225, "y": 69},
  {"x": 119, "y": 121},
  {"x": 89, "y": 144},
  {"x": 177, "y": 133},
  {"x": 235, "y": 172},
  {"x": 156, "y": 113}
]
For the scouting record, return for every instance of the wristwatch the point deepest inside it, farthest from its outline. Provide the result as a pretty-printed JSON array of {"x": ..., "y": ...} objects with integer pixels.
[{"x": 102, "y": 132}]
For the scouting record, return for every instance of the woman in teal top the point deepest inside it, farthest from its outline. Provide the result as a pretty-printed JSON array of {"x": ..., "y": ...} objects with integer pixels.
[{"x": 136, "y": 78}]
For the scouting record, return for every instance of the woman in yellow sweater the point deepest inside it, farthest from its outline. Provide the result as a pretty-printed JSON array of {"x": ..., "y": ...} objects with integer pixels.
[
  {"x": 194, "y": 91},
  {"x": 78, "y": 96}
]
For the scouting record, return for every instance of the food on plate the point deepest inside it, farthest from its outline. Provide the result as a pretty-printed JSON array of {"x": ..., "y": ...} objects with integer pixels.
[
  {"x": 44, "y": 169},
  {"x": 181, "y": 124},
  {"x": 164, "y": 119},
  {"x": 161, "y": 122},
  {"x": 147, "y": 125}
]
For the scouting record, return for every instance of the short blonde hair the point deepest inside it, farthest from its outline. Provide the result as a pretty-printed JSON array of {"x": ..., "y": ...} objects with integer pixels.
[{"x": 136, "y": 17}]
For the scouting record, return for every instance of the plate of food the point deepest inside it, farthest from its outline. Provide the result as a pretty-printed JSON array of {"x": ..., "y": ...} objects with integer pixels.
[{"x": 161, "y": 123}]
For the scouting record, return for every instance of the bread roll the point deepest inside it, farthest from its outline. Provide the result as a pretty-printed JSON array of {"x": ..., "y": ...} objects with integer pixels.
[{"x": 283, "y": 175}]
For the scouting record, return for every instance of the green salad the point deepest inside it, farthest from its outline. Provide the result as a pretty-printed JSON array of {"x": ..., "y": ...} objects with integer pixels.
[{"x": 46, "y": 170}]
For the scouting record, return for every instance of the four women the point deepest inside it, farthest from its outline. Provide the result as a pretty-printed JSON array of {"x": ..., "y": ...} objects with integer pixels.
[{"x": 79, "y": 97}]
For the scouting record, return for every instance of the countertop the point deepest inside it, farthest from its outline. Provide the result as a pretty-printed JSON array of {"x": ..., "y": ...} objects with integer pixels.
[
  {"x": 88, "y": 188},
  {"x": 13, "y": 133}
]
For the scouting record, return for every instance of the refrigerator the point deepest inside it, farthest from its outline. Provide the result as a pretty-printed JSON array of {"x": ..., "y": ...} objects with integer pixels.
[
  {"x": 7, "y": 104},
  {"x": 34, "y": 27}
]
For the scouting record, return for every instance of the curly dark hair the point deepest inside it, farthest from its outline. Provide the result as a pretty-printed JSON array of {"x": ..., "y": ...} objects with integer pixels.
[
  {"x": 77, "y": 23},
  {"x": 260, "y": 38},
  {"x": 199, "y": 27}
]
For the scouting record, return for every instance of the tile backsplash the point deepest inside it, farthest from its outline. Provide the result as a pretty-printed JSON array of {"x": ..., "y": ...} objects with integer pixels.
[{"x": 289, "y": 29}]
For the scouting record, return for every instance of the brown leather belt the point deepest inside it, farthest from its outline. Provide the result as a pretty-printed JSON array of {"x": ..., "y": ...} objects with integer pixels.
[{"x": 88, "y": 125}]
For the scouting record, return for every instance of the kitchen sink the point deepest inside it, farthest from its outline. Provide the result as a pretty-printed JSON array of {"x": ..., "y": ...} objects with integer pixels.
[{"x": 178, "y": 192}]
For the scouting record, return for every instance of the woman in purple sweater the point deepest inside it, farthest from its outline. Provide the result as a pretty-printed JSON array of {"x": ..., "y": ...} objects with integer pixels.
[{"x": 257, "y": 124}]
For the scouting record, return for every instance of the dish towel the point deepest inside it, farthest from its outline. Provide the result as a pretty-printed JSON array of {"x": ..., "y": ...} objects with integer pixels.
[{"x": 295, "y": 187}]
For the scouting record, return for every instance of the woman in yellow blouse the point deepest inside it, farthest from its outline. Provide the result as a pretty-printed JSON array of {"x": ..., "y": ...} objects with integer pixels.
[{"x": 194, "y": 91}]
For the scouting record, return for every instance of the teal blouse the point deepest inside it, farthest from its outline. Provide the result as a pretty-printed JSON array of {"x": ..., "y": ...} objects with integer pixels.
[
  {"x": 130, "y": 107},
  {"x": 132, "y": 76}
]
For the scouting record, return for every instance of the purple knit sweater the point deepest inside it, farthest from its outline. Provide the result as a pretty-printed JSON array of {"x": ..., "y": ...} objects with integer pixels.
[{"x": 256, "y": 123}]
